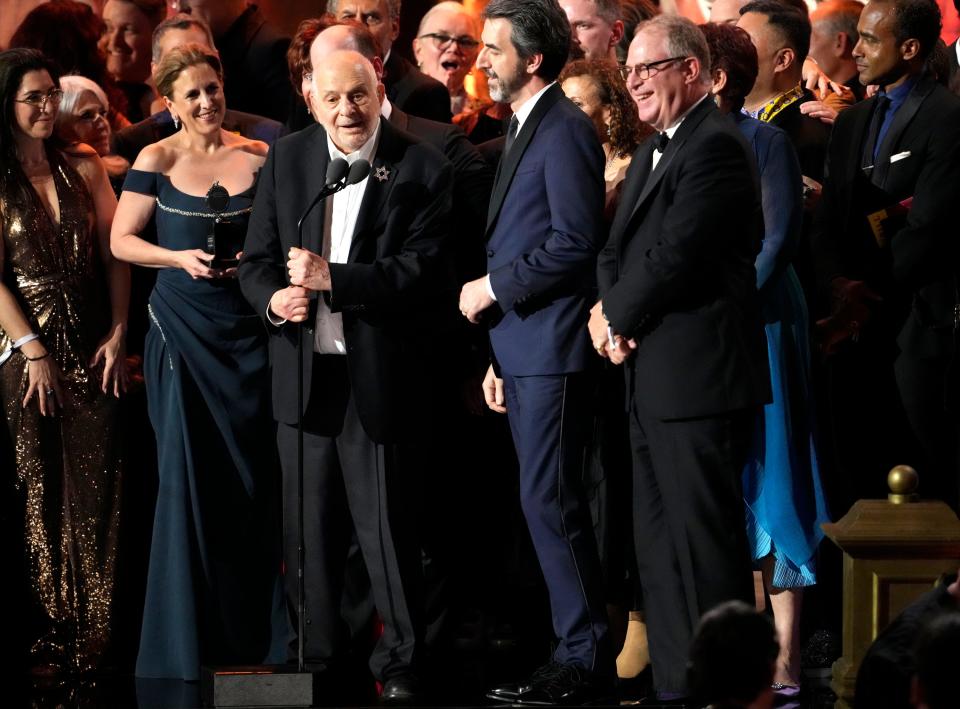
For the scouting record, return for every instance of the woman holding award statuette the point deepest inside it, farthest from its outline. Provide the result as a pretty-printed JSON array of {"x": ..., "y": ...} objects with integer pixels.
[{"x": 213, "y": 583}]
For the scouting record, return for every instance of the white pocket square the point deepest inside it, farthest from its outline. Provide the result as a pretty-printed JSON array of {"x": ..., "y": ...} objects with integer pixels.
[{"x": 900, "y": 156}]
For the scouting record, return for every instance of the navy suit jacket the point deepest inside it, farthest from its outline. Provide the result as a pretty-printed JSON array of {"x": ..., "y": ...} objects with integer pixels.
[{"x": 544, "y": 230}]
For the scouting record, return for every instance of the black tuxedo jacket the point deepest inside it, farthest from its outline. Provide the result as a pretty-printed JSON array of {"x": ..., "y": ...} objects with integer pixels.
[
  {"x": 678, "y": 271},
  {"x": 255, "y": 74},
  {"x": 415, "y": 92},
  {"x": 808, "y": 135},
  {"x": 915, "y": 267},
  {"x": 472, "y": 183},
  {"x": 129, "y": 141},
  {"x": 384, "y": 288}
]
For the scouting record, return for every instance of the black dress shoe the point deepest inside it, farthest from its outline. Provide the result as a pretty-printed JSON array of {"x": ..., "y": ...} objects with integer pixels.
[
  {"x": 568, "y": 685},
  {"x": 402, "y": 690},
  {"x": 510, "y": 692}
]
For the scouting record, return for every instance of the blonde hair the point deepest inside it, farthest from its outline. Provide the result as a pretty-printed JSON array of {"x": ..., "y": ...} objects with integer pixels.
[{"x": 179, "y": 59}]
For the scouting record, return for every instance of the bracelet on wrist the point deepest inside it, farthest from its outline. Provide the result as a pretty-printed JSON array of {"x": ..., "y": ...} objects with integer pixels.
[
  {"x": 16, "y": 345},
  {"x": 37, "y": 359}
]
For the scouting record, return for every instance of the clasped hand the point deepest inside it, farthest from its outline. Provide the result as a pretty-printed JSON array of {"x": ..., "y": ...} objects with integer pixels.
[
  {"x": 617, "y": 349},
  {"x": 308, "y": 270}
]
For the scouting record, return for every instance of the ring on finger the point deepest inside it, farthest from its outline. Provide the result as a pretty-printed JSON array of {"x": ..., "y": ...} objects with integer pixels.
[{"x": 50, "y": 392}]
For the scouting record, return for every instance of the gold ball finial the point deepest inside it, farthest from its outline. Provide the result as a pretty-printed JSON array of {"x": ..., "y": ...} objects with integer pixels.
[{"x": 903, "y": 482}]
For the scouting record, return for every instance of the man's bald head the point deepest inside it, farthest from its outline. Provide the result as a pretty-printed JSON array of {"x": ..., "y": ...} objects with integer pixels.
[{"x": 346, "y": 96}]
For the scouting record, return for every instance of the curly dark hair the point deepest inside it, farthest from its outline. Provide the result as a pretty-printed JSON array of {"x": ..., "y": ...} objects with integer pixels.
[
  {"x": 732, "y": 50},
  {"x": 626, "y": 131}
]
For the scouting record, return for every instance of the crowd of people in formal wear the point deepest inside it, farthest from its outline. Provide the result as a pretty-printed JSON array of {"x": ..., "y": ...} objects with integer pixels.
[{"x": 612, "y": 300}]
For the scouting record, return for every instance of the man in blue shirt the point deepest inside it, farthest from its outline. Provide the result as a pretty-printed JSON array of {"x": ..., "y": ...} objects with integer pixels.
[{"x": 887, "y": 248}]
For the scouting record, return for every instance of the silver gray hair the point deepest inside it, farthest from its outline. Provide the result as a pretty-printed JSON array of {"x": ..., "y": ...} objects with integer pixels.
[{"x": 683, "y": 38}]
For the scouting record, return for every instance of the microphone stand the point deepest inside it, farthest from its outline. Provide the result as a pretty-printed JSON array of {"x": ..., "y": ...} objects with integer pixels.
[
  {"x": 265, "y": 686},
  {"x": 301, "y": 595}
]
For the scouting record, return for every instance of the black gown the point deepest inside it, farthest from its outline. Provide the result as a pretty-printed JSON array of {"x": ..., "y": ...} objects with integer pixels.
[{"x": 213, "y": 586}]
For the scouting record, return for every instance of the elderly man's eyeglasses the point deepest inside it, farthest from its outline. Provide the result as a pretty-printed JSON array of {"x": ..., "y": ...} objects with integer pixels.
[
  {"x": 443, "y": 41},
  {"x": 645, "y": 71},
  {"x": 39, "y": 100}
]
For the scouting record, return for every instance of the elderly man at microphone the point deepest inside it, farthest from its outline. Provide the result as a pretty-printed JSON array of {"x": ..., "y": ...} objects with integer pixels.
[{"x": 356, "y": 284}]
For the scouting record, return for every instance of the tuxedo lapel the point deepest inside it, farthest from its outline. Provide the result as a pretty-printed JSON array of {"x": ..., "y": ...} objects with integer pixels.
[
  {"x": 690, "y": 123},
  {"x": 633, "y": 184},
  {"x": 901, "y": 120},
  {"x": 508, "y": 163},
  {"x": 317, "y": 158},
  {"x": 399, "y": 119},
  {"x": 384, "y": 169}
]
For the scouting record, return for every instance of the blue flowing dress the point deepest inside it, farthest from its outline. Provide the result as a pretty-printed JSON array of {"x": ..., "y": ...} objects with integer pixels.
[
  {"x": 213, "y": 582},
  {"x": 785, "y": 505}
]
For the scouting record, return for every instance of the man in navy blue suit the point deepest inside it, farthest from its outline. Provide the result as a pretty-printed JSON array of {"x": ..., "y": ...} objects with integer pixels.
[{"x": 544, "y": 230}]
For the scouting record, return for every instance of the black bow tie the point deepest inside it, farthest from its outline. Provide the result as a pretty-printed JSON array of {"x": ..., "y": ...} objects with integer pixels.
[{"x": 662, "y": 140}]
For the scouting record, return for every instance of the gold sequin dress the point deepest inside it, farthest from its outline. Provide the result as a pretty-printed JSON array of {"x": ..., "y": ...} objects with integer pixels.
[{"x": 67, "y": 468}]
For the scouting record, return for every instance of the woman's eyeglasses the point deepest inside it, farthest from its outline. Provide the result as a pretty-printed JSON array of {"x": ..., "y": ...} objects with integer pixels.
[{"x": 39, "y": 100}]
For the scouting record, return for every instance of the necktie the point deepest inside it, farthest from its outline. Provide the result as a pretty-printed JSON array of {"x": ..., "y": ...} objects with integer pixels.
[
  {"x": 870, "y": 144},
  {"x": 511, "y": 134},
  {"x": 662, "y": 140}
]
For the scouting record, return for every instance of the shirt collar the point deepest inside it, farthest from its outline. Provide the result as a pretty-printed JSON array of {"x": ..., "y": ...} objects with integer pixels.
[
  {"x": 900, "y": 93},
  {"x": 365, "y": 152},
  {"x": 673, "y": 129},
  {"x": 527, "y": 106},
  {"x": 386, "y": 108}
]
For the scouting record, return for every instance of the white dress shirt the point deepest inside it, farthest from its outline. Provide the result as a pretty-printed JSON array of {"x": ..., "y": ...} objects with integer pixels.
[
  {"x": 673, "y": 129},
  {"x": 339, "y": 222},
  {"x": 340, "y": 219}
]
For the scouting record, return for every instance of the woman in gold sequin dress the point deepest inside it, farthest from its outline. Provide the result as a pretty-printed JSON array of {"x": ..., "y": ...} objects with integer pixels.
[{"x": 63, "y": 311}]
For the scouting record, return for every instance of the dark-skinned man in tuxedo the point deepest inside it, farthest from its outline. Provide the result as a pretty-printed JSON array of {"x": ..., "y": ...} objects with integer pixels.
[{"x": 885, "y": 236}]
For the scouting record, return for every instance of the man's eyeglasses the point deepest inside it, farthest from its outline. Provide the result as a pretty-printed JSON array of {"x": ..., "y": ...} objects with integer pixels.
[
  {"x": 39, "y": 100},
  {"x": 645, "y": 71},
  {"x": 442, "y": 41}
]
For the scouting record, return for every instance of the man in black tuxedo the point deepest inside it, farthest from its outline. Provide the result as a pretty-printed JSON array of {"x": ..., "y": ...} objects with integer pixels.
[
  {"x": 472, "y": 181},
  {"x": 407, "y": 87},
  {"x": 679, "y": 306},
  {"x": 362, "y": 284},
  {"x": 885, "y": 234}
]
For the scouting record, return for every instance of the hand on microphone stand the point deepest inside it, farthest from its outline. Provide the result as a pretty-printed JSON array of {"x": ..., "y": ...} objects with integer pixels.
[{"x": 308, "y": 270}]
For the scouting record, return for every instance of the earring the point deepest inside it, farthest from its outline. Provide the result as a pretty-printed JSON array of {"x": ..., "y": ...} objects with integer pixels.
[
  {"x": 609, "y": 131},
  {"x": 176, "y": 122}
]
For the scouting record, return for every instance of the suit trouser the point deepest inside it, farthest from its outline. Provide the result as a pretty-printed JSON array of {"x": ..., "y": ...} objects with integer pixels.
[
  {"x": 351, "y": 482},
  {"x": 922, "y": 383},
  {"x": 689, "y": 530},
  {"x": 549, "y": 418}
]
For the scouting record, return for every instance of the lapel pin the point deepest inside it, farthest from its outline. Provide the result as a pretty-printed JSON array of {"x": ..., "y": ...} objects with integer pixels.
[{"x": 381, "y": 173}]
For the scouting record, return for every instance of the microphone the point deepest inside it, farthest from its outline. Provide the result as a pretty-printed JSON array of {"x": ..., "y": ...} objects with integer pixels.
[
  {"x": 335, "y": 181},
  {"x": 358, "y": 172}
]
